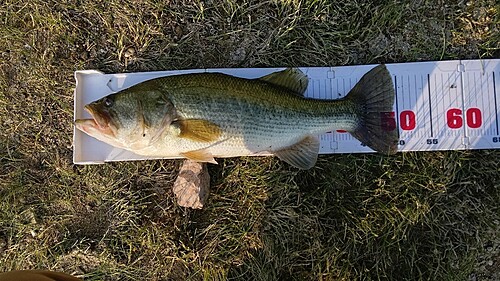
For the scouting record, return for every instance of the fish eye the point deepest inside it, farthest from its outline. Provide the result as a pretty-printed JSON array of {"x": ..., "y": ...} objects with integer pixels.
[{"x": 108, "y": 102}]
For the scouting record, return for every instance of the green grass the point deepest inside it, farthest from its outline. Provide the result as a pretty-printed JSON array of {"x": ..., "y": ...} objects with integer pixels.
[{"x": 413, "y": 216}]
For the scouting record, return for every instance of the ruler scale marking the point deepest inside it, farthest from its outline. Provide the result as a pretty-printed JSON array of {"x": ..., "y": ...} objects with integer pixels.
[
  {"x": 430, "y": 103},
  {"x": 425, "y": 123},
  {"x": 462, "y": 87},
  {"x": 485, "y": 106},
  {"x": 496, "y": 106},
  {"x": 396, "y": 98},
  {"x": 415, "y": 83},
  {"x": 414, "y": 94},
  {"x": 466, "y": 101}
]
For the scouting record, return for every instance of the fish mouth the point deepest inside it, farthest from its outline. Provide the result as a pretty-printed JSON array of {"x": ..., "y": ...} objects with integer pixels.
[
  {"x": 99, "y": 124},
  {"x": 101, "y": 118}
]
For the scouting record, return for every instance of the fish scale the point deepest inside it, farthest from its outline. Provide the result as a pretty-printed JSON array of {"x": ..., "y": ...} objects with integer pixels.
[{"x": 261, "y": 125}]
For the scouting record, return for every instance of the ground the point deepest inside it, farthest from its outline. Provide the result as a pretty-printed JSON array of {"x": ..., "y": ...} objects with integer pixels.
[{"x": 412, "y": 216}]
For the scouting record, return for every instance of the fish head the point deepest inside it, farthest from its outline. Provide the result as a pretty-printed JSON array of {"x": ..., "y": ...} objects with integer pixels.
[
  {"x": 103, "y": 125},
  {"x": 131, "y": 119}
]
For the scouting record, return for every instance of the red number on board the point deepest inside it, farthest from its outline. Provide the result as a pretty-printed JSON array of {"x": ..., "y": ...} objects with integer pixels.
[
  {"x": 388, "y": 122},
  {"x": 408, "y": 120},
  {"x": 454, "y": 118},
  {"x": 474, "y": 118}
]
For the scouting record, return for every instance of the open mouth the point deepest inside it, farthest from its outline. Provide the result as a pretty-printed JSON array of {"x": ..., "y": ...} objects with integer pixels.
[
  {"x": 100, "y": 118},
  {"x": 99, "y": 123}
]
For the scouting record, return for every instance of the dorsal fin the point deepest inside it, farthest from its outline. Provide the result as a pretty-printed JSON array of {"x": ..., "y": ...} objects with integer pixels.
[{"x": 291, "y": 78}]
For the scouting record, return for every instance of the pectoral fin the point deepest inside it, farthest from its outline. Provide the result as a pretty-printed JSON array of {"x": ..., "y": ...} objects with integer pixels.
[
  {"x": 200, "y": 155},
  {"x": 198, "y": 130},
  {"x": 302, "y": 155}
]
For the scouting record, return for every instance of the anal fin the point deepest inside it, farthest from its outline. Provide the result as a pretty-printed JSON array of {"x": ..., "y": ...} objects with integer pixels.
[
  {"x": 302, "y": 155},
  {"x": 200, "y": 155}
]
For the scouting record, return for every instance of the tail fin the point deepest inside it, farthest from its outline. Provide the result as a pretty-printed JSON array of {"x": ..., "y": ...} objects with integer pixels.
[{"x": 374, "y": 94}]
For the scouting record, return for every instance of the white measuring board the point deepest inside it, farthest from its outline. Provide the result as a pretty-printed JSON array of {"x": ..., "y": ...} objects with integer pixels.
[{"x": 448, "y": 105}]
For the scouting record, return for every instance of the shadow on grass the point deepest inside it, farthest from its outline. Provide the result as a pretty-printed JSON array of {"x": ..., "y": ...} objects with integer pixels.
[{"x": 370, "y": 217}]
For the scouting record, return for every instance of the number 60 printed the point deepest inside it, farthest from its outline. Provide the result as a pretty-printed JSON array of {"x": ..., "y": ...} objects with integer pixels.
[{"x": 454, "y": 118}]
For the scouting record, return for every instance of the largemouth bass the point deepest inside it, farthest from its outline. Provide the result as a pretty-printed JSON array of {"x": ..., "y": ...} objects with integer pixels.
[{"x": 209, "y": 115}]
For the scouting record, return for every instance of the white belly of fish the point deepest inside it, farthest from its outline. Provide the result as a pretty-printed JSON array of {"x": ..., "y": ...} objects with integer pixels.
[{"x": 226, "y": 146}]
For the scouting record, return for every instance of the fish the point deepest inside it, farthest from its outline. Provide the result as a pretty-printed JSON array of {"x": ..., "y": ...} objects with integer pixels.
[
  {"x": 203, "y": 116},
  {"x": 36, "y": 275}
]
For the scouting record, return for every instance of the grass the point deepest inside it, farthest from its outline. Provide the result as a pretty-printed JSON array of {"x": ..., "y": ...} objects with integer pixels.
[{"x": 413, "y": 216}]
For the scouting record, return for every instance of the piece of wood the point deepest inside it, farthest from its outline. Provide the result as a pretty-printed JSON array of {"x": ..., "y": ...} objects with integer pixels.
[{"x": 192, "y": 186}]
